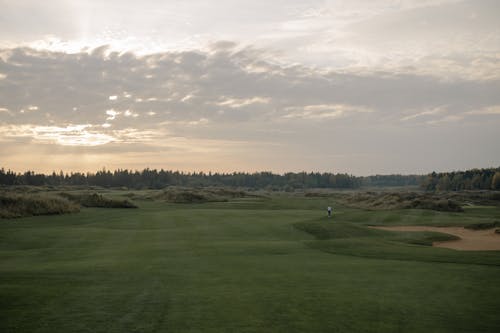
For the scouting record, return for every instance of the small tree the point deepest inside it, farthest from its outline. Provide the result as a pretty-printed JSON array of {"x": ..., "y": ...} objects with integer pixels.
[{"x": 444, "y": 183}]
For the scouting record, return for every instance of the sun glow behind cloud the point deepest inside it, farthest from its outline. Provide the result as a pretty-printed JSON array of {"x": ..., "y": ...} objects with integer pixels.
[
  {"x": 438, "y": 36},
  {"x": 79, "y": 135},
  {"x": 71, "y": 135}
]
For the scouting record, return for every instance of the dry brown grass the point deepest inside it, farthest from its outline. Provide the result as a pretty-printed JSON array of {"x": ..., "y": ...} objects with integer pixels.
[
  {"x": 14, "y": 205},
  {"x": 198, "y": 195},
  {"x": 401, "y": 200},
  {"x": 97, "y": 200}
]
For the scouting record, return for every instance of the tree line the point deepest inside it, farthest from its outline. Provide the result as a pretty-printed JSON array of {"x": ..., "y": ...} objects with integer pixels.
[
  {"x": 474, "y": 179},
  {"x": 155, "y": 179}
]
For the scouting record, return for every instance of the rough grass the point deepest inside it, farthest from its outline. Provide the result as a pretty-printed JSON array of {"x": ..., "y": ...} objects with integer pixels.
[
  {"x": 14, "y": 205},
  {"x": 484, "y": 198},
  {"x": 401, "y": 200},
  {"x": 97, "y": 200},
  {"x": 483, "y": 226},
  {"x": 198, "y": 195}
]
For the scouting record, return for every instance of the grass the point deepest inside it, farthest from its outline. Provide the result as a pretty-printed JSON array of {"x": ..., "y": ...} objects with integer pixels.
[
  {"x": 31, "y": 201},
  {"x": 97, "y": 200},
  {"x": 257, "y": 264},
  {"x": 483, "y": 226},
  {"x": 404, "y": 200},
  {"x": 21, "y": 204},
  {"x": 323, "y": 230},
  {"x": 198, "y": 195}
]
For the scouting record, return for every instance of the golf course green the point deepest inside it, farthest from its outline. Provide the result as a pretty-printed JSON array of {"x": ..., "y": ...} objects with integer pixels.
[{"x": 257, "y": 264}]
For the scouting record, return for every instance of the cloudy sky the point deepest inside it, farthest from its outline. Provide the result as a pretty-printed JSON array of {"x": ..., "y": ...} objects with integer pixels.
[{"x": 364, "y": 87}]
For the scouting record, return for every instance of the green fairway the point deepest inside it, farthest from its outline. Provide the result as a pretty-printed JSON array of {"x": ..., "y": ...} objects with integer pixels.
[{"x": 247, "y": 265}]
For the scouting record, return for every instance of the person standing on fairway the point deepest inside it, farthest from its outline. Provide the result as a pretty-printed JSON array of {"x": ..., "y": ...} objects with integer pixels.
[{"x": 329, "y": 209}]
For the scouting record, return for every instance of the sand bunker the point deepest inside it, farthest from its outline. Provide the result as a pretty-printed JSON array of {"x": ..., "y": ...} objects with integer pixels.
[{"x": 470, "y": 240}]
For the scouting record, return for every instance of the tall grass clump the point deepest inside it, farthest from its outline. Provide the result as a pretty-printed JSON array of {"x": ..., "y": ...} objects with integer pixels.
[
  {"x": 198, "y": 195},
  {"x": 97, "y": 200},
  {"x": 401, "y": 200},
  {"x": 14, "y": 205}
]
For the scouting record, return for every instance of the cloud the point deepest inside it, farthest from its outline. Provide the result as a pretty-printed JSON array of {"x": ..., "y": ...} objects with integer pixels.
[
  {"x": 176, "y": 81},
  {"x": 71, "y": 135},
  {"x": 229, "y": 103},
  {"x": 446, "y": 119},
  {"x": 490, "y": 110},
  {"x": 446, "y": 39},
  {"x": 112, "y": 114},
  {"x": 236, "y": 103},
  {"x": 431, "y": 112},
  {"x": 100, "y": 87},
  {"x": 324, "y": 111}
]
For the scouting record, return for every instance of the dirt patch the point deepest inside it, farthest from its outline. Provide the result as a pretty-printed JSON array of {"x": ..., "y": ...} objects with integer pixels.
[{"x": 470, "y": 240}]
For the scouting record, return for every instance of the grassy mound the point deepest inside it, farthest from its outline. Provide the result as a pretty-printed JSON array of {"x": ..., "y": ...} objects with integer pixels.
[
  {"x": 18, "y": 205},
  {"x": 401, "y": 200},
  {"x": 97, "y": 200},
  {"x": 480, "y": 198},
  {"x": 198, "y": 195},
  {"x": 360, "y": 241},
  {"x": 187, "y": 196},
  {"x": 322, "y": 230},
  {"x": 483, "y": 226}
]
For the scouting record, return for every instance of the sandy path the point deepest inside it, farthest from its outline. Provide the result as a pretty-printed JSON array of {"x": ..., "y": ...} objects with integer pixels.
[{"x": 470, "y": 240}]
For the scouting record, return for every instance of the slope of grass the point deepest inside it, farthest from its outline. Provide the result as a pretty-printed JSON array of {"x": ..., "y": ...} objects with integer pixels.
[
  {"x": 323, "y": 229},
  {"x": 358, "y": 240},
  {"x": 483, "y": 226},
  {"x": 198, "y": 195},
  {"x": 241, "y": 266},
  {"x": 403, "y": 200}
]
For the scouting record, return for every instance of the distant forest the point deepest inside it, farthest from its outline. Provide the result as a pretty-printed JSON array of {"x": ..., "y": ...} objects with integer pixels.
[{"x": 477, "y": 179}]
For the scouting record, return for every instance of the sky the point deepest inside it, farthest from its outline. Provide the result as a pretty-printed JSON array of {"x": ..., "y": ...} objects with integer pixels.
[{"x": 362, "y": 87}]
